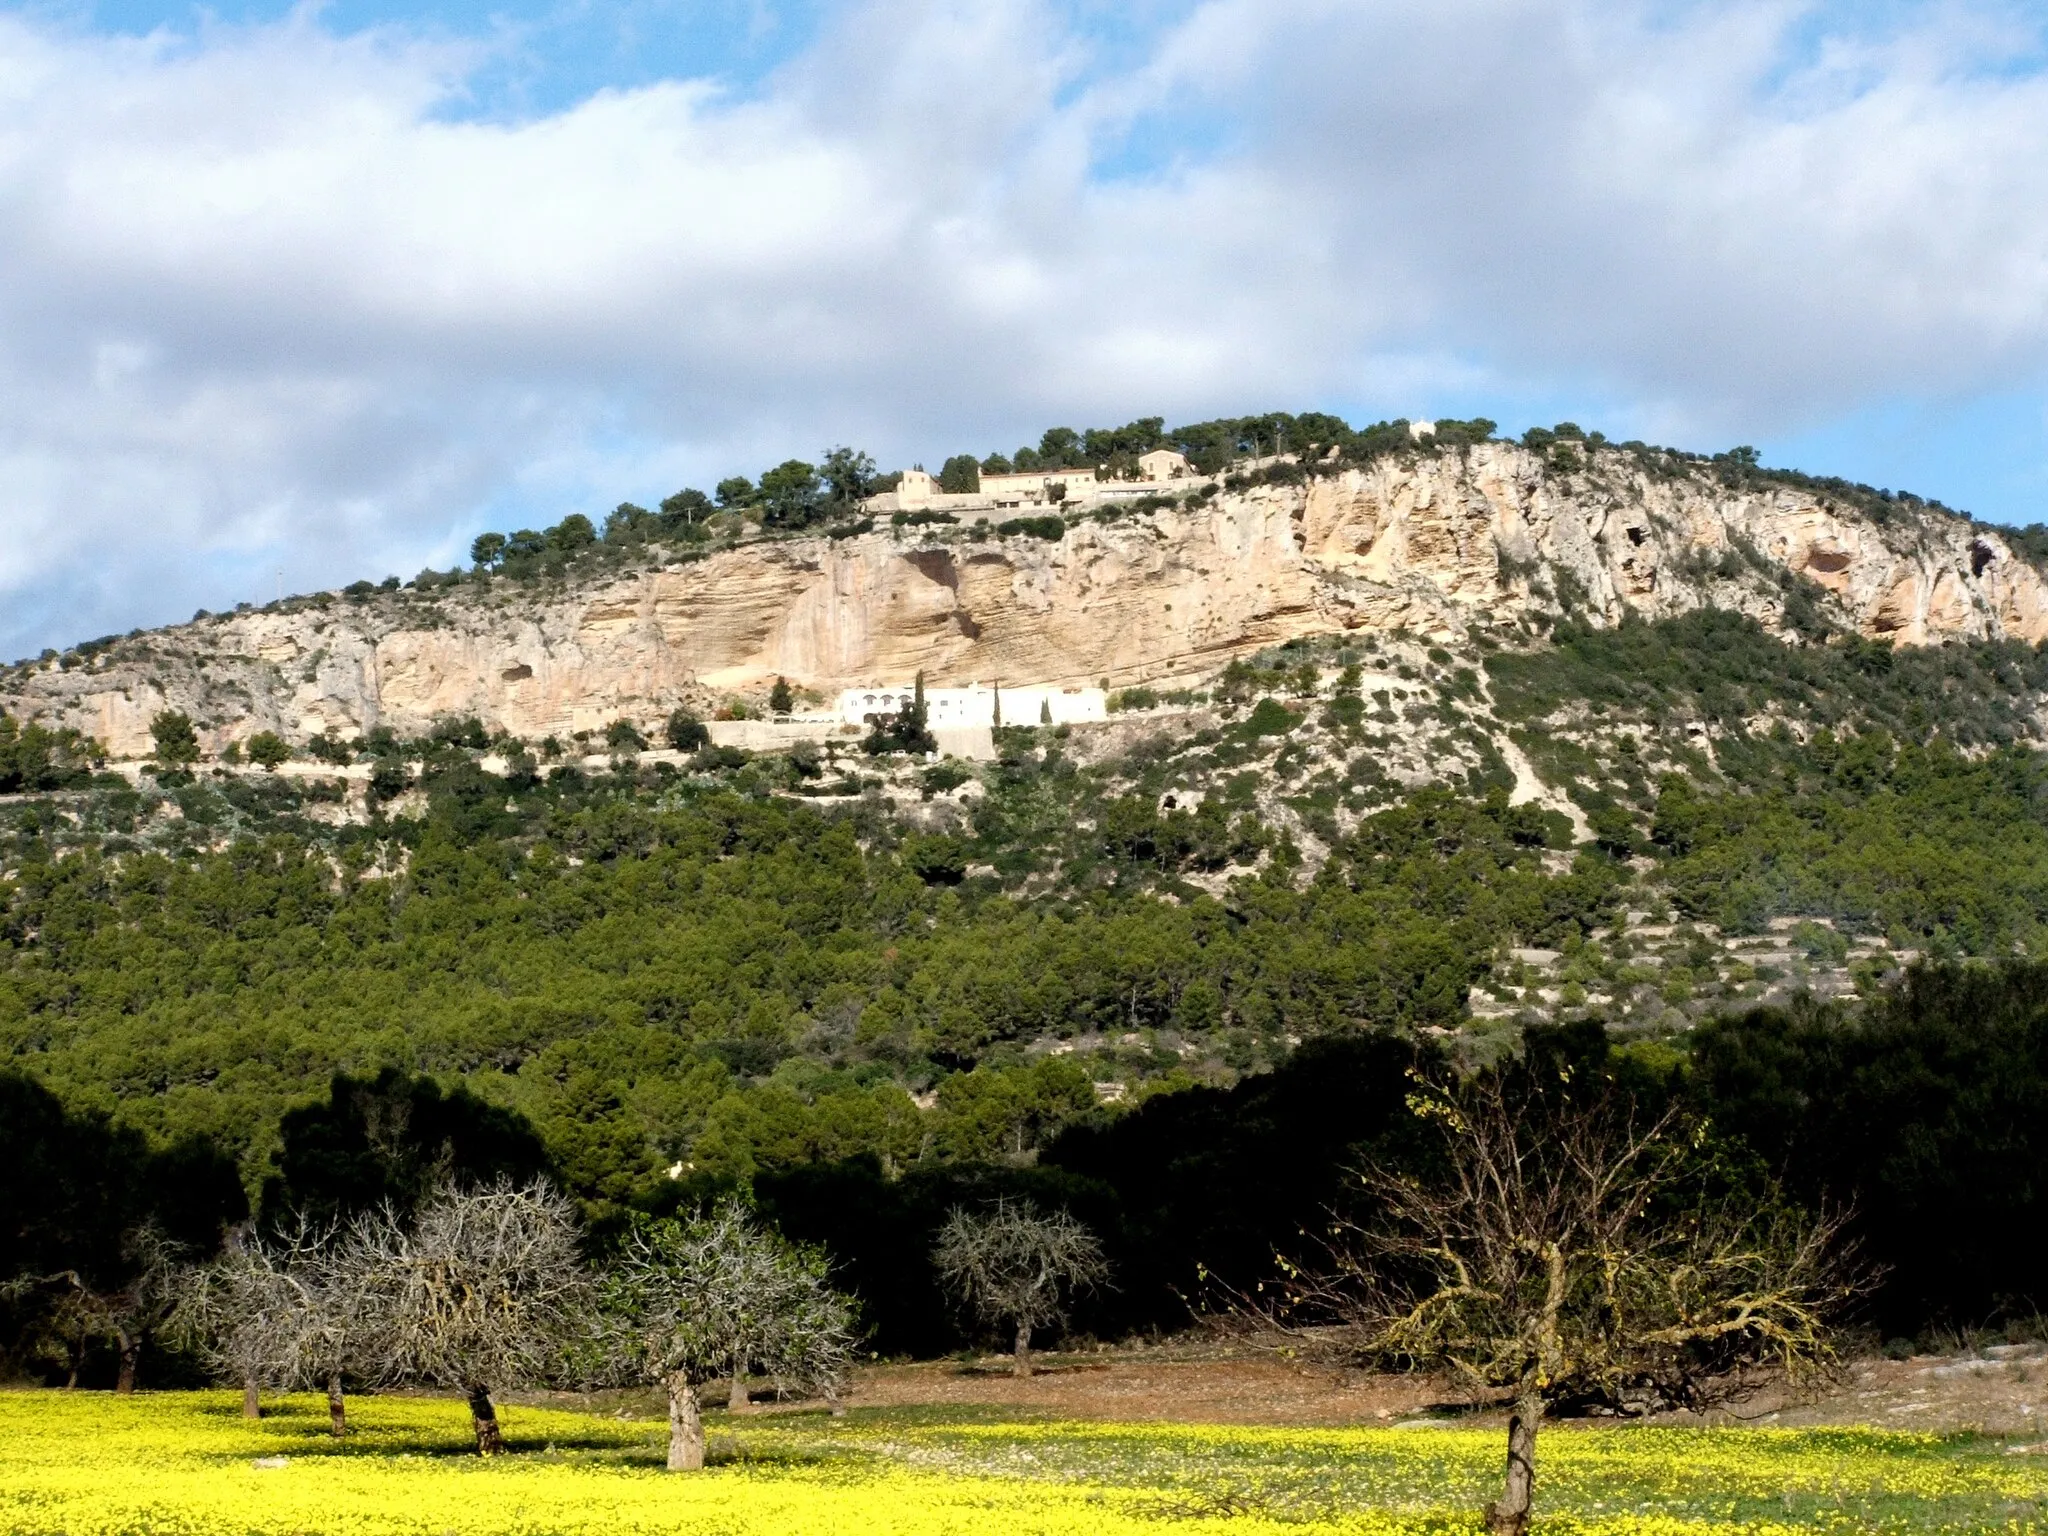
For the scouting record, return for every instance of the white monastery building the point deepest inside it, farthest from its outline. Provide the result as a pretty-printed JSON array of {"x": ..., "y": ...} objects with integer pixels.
[
  {"x": 950, "y": 708},
  {"x": 918, "y": 491}
]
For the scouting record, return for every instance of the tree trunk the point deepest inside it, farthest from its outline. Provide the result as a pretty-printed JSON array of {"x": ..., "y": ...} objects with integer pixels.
[
  {"x": 131, "y": 1357},
  {"x": 337, "y": 1411},
  {"x": 489, "y": 1441},
  {"x": 1509, "y": 1514},
  {"x": 252, "y": 1398},
  {"x": 736, "y": 1398},
  {"x": 1020, "y": 1359},
  {"x": 685, "y": 1426}
]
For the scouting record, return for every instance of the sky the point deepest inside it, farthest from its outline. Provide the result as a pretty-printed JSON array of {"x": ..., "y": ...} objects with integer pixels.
[{"x": 296, "y": 294}]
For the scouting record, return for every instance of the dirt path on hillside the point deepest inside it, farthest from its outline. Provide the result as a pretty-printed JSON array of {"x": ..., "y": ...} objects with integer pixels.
[{"x": 2002, "y": 1390}]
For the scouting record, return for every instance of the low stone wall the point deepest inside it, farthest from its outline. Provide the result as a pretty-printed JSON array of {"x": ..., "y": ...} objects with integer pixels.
[
  {"x": 977, "y": 743},
  {"x": 775, "y": 735}
]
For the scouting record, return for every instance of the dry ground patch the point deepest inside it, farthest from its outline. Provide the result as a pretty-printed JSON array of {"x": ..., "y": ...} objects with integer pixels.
[{"x": 2000, "y": 1390}]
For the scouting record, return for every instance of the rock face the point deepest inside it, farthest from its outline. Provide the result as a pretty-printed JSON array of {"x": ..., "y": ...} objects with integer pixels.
[{"x": 1435, "y": 545}]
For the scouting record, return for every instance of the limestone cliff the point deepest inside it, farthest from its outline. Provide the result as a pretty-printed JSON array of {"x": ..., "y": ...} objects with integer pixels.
[{"x": 1435, "y": 544}]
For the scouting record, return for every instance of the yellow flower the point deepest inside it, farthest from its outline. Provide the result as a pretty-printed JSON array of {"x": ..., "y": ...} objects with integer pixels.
[{"x": 187, "y": 1464}]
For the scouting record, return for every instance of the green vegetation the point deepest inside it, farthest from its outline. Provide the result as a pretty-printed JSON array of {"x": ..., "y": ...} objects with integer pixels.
[
  {"x": 730, "y": 979},
  {"x": 177, "y": 744},
  {"x": 1894, "y": 792},
  {"x": 905, "y": 731},
  {"x": 1928, "y": 1107},
  {"x": 1722, "y": 670},
  {"x": 34, "y": 759},
  {"x": 1212, "y": 446},
  {"x": 794, "y": 495},
  {"x": 859, "y": 985},
  {"x": 960, "y": 475},
  {"x": 268, "y": 750},
  {"x": 1047, "y": 527}
]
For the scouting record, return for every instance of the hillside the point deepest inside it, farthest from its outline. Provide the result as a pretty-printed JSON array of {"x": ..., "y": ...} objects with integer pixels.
[
  {"x": 1449, "y": 736},
  {"x": 739, "y": 962},
  {"x": 1454, "y": 542},
  {"x": 1365, "y": 809}
]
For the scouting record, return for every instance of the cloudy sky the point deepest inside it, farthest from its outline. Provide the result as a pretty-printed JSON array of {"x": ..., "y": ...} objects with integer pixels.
[{"x": 293, "y": 295}]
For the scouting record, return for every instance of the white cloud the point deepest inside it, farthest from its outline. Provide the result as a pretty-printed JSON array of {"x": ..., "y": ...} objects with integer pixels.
[
  {"x": 1685, "y": 211},
  {"x": 264, "y": 303}
]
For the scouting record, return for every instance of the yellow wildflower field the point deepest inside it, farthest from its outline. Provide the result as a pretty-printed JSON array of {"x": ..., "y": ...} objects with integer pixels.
[{"x": 187, "y": 1464}]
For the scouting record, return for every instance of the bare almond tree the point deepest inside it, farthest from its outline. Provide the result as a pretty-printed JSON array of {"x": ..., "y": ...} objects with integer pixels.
[
  {"x": 485, "y": 1290},
  {"x": 1014, "y": 1264},
  {"x": 1573, "y": 1252},
  {"x": 335, "y": 1321},
  {"x": 238, "y": 1313},
  {"x": 281, "y": 1311},
  {"x": 709, "y": 1299}
]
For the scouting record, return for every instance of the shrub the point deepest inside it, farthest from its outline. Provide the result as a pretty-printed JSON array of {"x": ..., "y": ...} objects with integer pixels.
[
  {"x": 389, "y": 779},
  {"x": 685, "y": 732},
  {"x": 1269, "y": 718},
  {"x": 716, "y": 759},
  {"x": 177, "y": 743},
  {"x": 942, "y": 778},
  {"x": 268, "y": 750},
  {"x": 1050, "y": 528}
]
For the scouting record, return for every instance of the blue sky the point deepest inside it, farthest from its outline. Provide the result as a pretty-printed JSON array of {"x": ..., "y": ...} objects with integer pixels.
[
  {"x": 546, "y": 55},
  {"x": 537, "y": 57},
  {"x": 290, "y": 295}
]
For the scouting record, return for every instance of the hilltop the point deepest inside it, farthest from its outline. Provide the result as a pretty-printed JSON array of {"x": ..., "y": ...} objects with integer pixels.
[{"x": 1438, "y": 538}]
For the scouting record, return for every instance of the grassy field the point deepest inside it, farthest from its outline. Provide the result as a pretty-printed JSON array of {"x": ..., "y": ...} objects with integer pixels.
[{"x": 91, "y": 1465}]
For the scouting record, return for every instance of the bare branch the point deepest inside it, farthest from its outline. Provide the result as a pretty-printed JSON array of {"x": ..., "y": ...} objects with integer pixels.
[
  {"x": 720, "y": 1296},
  {"x": 486, "y": 1290},
  {"x": 1015, "y": 1264},
  {"x": 1572, "y": 1252}
]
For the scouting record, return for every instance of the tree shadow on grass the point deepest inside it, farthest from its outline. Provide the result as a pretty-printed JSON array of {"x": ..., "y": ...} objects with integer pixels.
[
  {"x": 302, "y": 1429},
  {"x": 999, "y": 1367},
  {"x": 721, "y": 1451}
]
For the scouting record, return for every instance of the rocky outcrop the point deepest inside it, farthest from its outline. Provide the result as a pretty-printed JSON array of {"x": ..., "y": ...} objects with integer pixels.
[{"x": 1434, "y": 545}]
